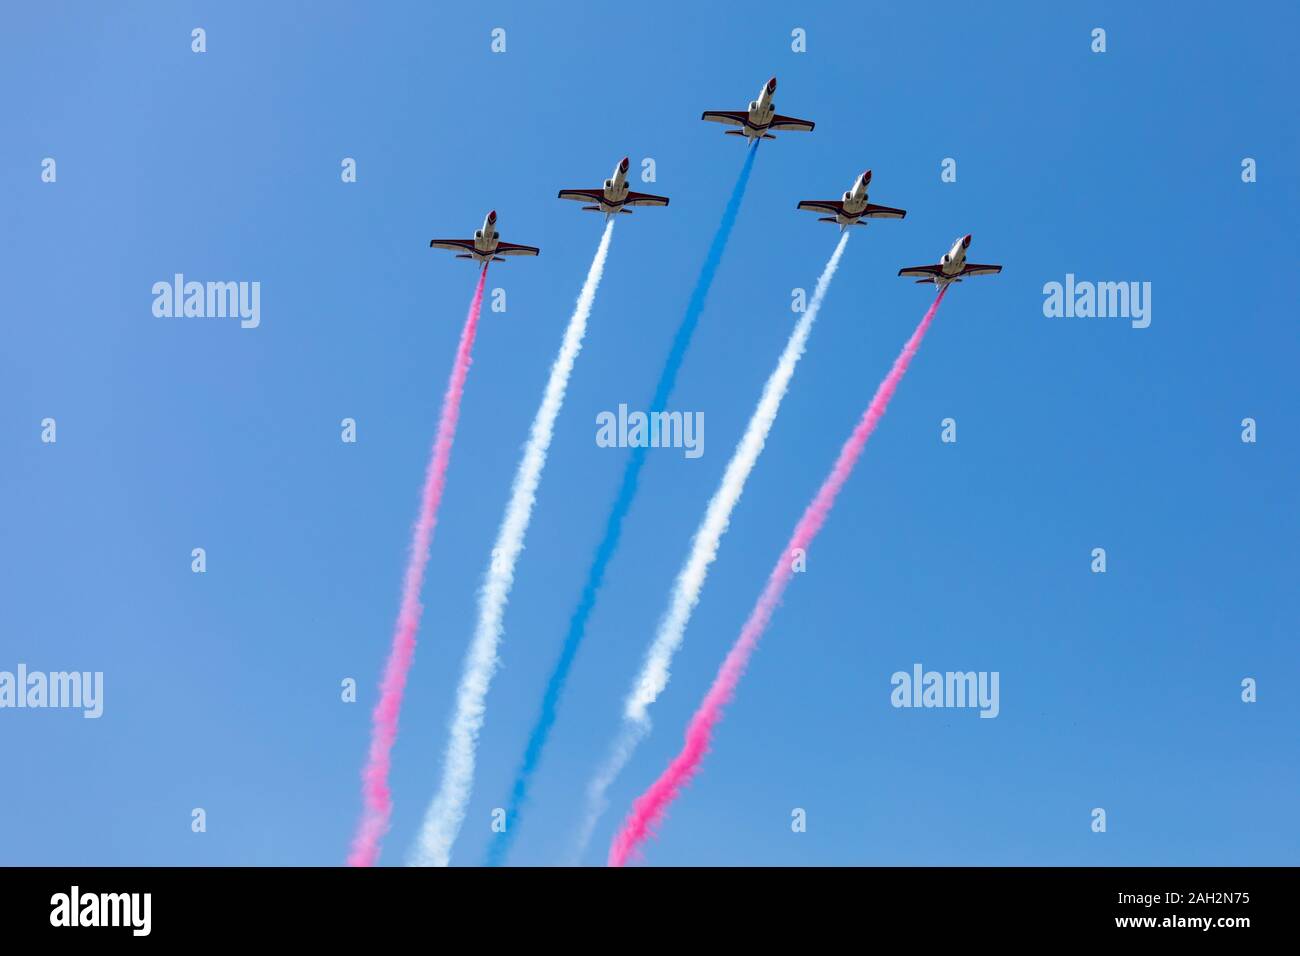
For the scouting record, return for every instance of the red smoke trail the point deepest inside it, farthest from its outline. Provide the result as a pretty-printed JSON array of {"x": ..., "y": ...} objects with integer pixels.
[
  {"x": 376, "y": 797},
  {"x": 648, "y": 810}
]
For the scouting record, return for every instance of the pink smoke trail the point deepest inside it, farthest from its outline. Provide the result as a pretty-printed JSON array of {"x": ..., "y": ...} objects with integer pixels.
[
  {"x": 377, "y": 803},
  {"x": 649, "y": 809}
]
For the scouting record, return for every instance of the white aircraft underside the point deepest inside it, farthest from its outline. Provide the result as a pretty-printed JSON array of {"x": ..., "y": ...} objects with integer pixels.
[
  {"x": 614, "y": 197},
  {"x": 852, "y": 207},
  {"x": 760, "y": 118},
  {"x": 486, "y": 246},
  {"x": 953, "y": 267}
]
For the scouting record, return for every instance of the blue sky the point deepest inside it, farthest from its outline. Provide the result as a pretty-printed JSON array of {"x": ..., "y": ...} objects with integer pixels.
[{"x": 1119, "y": 691}]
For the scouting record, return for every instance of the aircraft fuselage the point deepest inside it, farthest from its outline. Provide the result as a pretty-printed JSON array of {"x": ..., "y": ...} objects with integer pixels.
[
  {"x": 615, "y": 190},
  {"x": 761, "y": 112},
  {"x": 855, "y": 201},
  {"x": 954, "y": 260},
  {"x": 486, "y": 239}
]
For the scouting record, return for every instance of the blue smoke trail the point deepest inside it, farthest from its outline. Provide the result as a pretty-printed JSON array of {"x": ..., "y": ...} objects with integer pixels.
[{"x": 498, "y": 848}]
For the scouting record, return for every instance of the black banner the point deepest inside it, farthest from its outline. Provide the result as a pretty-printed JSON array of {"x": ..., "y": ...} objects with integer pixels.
[{"x": 332, "y": 905}]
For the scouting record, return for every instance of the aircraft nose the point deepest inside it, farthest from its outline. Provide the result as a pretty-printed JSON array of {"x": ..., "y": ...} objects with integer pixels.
[
  {"x": 965, "y": 243},
  {"x": 624, "y": 164},
  {"x": 866, "y": 177},
  {"x": 492, "y": 216},
  {"x": 771, "y": 85}
]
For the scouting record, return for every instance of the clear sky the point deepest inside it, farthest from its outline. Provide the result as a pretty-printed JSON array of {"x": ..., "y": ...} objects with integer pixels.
[{"x": 1119, "y": 690}]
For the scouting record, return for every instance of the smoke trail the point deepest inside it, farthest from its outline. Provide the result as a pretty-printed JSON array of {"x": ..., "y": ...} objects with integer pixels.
[
  {"x": 447, "y": 811},
  {"x": 614, "y": 522},
  {"x": 654, "y": 674},
  {"x": 649, "y": 808},
  {"x": 377, "y": 804}
]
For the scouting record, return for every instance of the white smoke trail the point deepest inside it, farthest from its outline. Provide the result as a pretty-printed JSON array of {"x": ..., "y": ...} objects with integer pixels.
[
  {"x": 654, "y": 674},
  {"x": 629, "y": 737},
  {"x": 446, "y": 813}
]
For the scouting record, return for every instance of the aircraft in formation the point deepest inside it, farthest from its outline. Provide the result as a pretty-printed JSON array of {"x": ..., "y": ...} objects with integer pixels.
[
  {"x": 615, "y": 196},
  {"x": 854, "y": 207},
  {"x": 953, "y": 267},
  {"x": 486, "y": 246},
  {"x": 761, "y": 117}
]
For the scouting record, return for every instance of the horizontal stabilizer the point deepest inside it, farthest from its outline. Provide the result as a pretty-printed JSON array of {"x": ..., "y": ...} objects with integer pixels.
[
  {"x": 827, "y": 219},
  {"x": 591, "y": 209},
  {"x": 625, "y": 212},
  {"x": 768, "y": 136},
  {"x": 464, "y": 256},
  {"x": 734, "y": 132}
]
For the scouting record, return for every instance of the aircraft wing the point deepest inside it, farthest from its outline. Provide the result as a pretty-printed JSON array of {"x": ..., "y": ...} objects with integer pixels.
[
  {"x": 833, "y": 206},
  {"x": 583, "y": 195},
  {"x": 789, "y": 122},
  {"x": 457, "y": 244},
  {"x": 511, "y": 249},
  {"x": 644, "y": 199},
  {"x": 926, "y": 271},
  {"x": 730, "y": 117},
  {"x": 883, "y": 212},
  {"x": 975, "y": 269}
]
